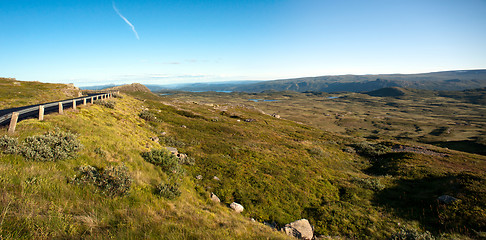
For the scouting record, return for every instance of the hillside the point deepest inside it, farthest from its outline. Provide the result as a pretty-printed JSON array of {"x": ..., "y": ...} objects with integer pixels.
[
  {"x": 279, "y": 170},
  {"x": 388, "y": 92},
  {"x": 447, "y": 80},
  {"x": 15, "y": 93},
  {"x": 134, "y": 87}
]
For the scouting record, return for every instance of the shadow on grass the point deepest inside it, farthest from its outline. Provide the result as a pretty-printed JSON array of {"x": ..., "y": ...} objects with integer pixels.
[
  {"x": 417, "y": 200},
  {"x": 464, "y": 146}
]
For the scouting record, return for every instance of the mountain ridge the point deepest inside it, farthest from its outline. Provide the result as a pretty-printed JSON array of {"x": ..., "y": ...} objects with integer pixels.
[{"x": 445, "y": 81}]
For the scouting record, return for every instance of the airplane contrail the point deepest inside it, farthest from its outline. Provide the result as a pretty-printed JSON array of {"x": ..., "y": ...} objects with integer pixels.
[{"x": 126, "y": 20}]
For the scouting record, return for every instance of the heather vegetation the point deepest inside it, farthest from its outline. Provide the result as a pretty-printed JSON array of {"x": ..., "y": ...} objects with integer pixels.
[{"x": 124, "y": 184}]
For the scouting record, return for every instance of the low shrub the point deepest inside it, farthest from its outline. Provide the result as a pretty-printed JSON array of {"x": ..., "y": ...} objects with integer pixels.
[
  {"x": 185, "y": 160},
  {"x": 164, "y": 159},
  {"x": 52, "y": 146},
  {"x": 412, "y": 234},
  {"x": 168, "y": 190},
  {"x": 370, "y": 183},
  {"x": 9, "y": 145},
  {"x": 172, "y": 142},
  {"x": 369, "y": 149},
  {"x": 112, "y": 181},
  {"x": 316, "y": 152},
  {"x": 116, "y": 95},
  {"x": 105, "y": 103},
  {"x": 147, "y": 116}
]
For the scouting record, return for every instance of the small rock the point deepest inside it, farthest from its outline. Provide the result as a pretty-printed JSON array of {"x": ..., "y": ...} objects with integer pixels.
[
  {"x": 446, "y": 199},
  {"x": 183, "y": 126},
  {"x": 300, "y": 229},
  {"x": 237, "y": 207},
  {"x": 252, "y": 219},
  {"x": 275, "y": 115},
  {"x": 199, "y": 177},
  {"x": 155, "y": 139},
  {"x": 215, "y": 198},
  {"x": 173, "y": 150},
  {"x": 250, "y": 120},
  {"x": 216, "y": 178},
  {"x": 182, "y": 156},
  {"x": 163, "y": 133},
  {"x": 238, "y": 120}
]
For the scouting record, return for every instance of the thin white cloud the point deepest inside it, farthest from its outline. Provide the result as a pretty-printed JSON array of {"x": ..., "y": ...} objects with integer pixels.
[{"x": 126, "y": 20}]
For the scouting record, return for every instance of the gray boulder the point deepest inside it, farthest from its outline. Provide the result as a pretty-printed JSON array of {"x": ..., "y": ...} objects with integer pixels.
[
  {"x": 236, "y": 207},
  {"x": 300, "y": 229},
  {"x": 215, "y": 198},
  {"x": 446, "y": 199}
]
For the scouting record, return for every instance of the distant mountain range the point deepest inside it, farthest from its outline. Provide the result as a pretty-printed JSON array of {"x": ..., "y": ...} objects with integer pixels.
[{"x": 445, "y": 81}]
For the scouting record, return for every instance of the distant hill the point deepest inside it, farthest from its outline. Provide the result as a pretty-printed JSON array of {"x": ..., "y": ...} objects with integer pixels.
[
  {"x": 444, "y": 81},
  {"x": 388, "y": 92},
  {"x": 134, "y": 87}
]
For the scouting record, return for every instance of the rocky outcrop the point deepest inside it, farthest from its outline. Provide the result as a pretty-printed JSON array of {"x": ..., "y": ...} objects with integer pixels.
[
  {"x": 300, "y": 229},
  {"x": 237, "y": 207}
]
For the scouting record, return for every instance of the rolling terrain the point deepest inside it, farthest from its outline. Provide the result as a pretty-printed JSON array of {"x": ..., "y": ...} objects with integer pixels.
[{"x": 294, "y": 156}]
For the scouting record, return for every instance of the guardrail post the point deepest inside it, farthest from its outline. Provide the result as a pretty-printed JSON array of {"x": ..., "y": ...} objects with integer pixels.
[
  {"x": 74, "y": 104},
  {"x": 61, "y": 110},
  {"x": 13, "y": 122},
  {"x": 92, "y": 99},
  {"x": 84, "y": 101},
  {"x": 41, "y": 113}
]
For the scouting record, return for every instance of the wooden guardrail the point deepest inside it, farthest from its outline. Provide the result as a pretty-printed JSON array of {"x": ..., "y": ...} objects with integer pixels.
[{"x": 39, "y": 110}]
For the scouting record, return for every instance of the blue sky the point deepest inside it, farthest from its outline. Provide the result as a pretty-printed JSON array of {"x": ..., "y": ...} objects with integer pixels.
[{"x": 86, "y": 42}]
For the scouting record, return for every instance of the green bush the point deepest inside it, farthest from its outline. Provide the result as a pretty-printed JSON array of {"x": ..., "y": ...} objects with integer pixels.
[
  {"x": 52, "y": 146},
  {"x": 412, "y": 234},
  {"x": 316, "y": 152},
  {"x": 164, "y": 159},
  {"x": 9, "y": 145},
  {"x": 168, "y": 190},
  {"x": 185, "y": 160},
  {"x": 369, "y": 183},
  {"x": 116, "y": 95},
  {"x": 105, "y": 103},
  {"x": 148, "y": 116},
  {"x": 112, "y": 181},
  {"x": 171, "y": 141},
  {"x": 369, "y": 149}
]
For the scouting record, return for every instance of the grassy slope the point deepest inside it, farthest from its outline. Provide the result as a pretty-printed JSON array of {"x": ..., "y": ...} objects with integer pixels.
[
  {"x": 279, "y": 170},
  {"x": 18, "y": 93},
  {"x": 37, "y": 202},
  {"x": 283, "y": 171}
]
